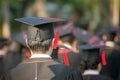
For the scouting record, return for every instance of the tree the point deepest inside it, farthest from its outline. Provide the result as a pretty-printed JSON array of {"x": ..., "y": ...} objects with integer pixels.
[
  {"x": 115, "y": 10},
  {"x": 6, "y": 19}
]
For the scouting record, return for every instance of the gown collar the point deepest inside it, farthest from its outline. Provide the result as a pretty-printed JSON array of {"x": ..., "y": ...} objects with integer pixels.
[
  {"x": 91, "y": 72},
  {"x": 40, "y": 56}
]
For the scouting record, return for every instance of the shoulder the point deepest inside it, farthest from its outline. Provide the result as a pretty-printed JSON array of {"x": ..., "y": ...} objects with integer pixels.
[
  {"x": 105, "y": 77},
  {"x": 96, "y": 77},
  {"x": 73, "y": 73}
]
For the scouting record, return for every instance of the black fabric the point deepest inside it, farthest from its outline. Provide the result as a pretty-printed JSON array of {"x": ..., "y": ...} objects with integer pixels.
[
  {"x": 45, "y": 70},
  {"x": 96, "y": 77},
  {"x": 106, "y": 69},
  {"x": 91, "y": 46},
  {"x": 74, "y": 58},
  {"x": 11, "y": 60},
  {"x": 64, "y": 31},
  {"x": 1, "y": 67},
  {"x": 115, "y": 64},
  {"x": 87, "y": 37}
]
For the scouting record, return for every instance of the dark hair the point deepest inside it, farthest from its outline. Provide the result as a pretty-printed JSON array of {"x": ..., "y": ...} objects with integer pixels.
[
  {"x": 3, "y": 43},
  {"x": 68, "y": 38},
  {"x": 1, "y": 46},
  {"x": 42, "y": 46},
  {"x": 90, "y": 59}
]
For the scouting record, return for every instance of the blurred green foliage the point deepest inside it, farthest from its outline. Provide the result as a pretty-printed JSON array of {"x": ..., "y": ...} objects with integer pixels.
[{"x": 18, "y": 7}]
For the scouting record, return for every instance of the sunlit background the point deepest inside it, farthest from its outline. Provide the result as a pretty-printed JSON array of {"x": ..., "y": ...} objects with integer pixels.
[{"x": 91, "y": 15}]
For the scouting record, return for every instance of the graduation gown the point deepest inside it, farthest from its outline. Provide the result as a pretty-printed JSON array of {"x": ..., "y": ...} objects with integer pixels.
[
  {"x": 114, "y": 67},
  {"x": 2, "y": 55},
  {"x": 42, "y": 69},
  {"x": 11, "y": 60},
  {"x": 73, "y": 58},
  {"x": 1, "y": 66}
]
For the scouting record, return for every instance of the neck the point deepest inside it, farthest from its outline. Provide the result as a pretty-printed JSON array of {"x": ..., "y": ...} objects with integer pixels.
[
  {"x": 68, "y": 46},
  {"x": 91, "y": 72},
  {"x": 40, "y": 56}
]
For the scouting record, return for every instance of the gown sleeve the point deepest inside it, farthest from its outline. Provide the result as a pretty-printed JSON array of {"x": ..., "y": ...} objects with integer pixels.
[
  {"x": 5, "y": 76},
  {"x": 74, "y": 74}
]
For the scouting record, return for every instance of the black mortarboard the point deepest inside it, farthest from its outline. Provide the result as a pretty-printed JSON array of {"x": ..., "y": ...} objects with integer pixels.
[
  {"x": 112, "y": 31},
  {"x": 40, "y": 28},
  {"x": 87, "y": 37},
  {"x": 91, "y": 46},
  {"x": 19, "y": 38},
  {"x": 65, "y": 30}
]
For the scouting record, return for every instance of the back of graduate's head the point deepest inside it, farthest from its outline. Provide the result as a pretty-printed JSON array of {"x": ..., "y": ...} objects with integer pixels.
[
  {"x": 90, "y": 60},
  {"x": 40, "y": 33},
  {"x": 37, "y": 41},
  {"x": 68, "y": 38}
]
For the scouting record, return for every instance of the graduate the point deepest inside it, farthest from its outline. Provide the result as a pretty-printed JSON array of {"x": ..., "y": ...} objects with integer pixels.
[
  {"x": 40, "y": 66},
  {"x": 3, "y": 51},
  {"x": 91, "y": 62},
  {"x": 67, "y": 54},
  {"x": 15, "y": 53},
  {"x": 114, "y": 68}
]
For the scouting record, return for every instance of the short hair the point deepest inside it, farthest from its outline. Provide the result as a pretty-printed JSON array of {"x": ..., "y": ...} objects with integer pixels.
[
  {"x": 40, "y": 46},
  {"x": 68, "y": 38},
  {"x": 90, "y": 60},
  {"x": 3, "y": 43}
]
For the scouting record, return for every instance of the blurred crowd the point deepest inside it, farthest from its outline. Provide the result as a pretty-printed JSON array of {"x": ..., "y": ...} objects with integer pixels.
[{"x": 96, "y": 55}]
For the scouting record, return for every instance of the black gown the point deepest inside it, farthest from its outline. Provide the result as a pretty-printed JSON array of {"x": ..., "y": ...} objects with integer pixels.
[
  {"x": 2, "y": 70},
  {"x": 11, "y": 60},
  {"x": 114, "y": 67},
  {"x": 96, "y": 77},
  {"x": 1, "y": 66},
  {"x": 42, "y": 69},
  {"x": 73, "y": 58}
]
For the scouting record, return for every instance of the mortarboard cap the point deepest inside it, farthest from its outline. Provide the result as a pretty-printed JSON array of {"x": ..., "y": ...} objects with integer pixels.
[
  {"x": 65, "y": 30},
  {"x": 40, "y": 28},
  {"x": 109, "y": 30},
  {"x": 19, "y": 38},
  {"x": 36, "y": 21},
  {"x": 87, "y": 37}
]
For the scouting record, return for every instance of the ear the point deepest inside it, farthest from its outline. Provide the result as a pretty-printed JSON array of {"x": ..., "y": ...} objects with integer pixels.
[
  {"x": 26, "y": 42},
  {"x": 52, "y": 45},
  {"x": 99, "y": 67},
  {"x": 24, "y": 35}
]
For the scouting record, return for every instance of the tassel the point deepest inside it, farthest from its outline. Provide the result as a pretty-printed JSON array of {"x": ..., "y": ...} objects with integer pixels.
[
  {"x": 64, "y": 52},
  {"x": 56, "y": 40},
  {"x": 66, "y": 61},
  {"x": 103, "y": 58}
]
